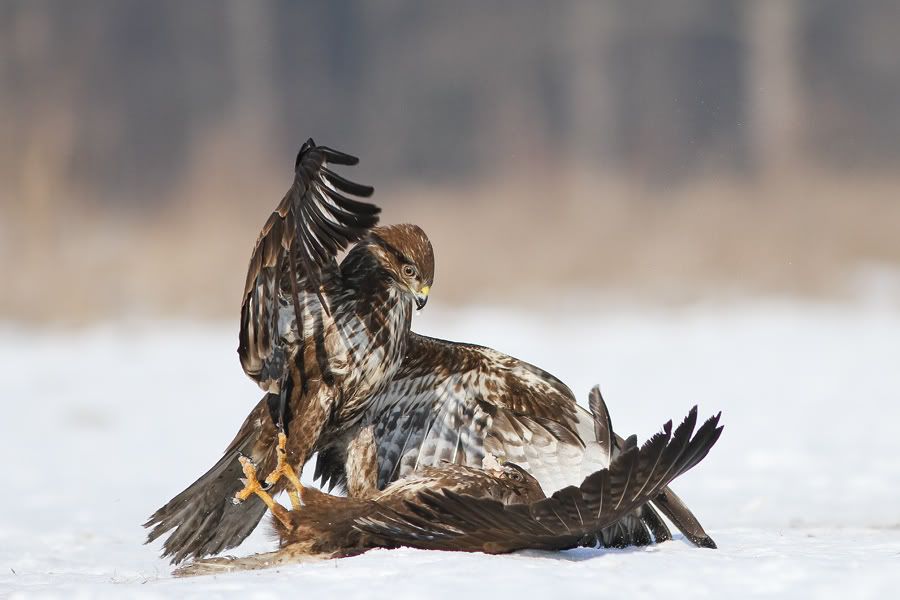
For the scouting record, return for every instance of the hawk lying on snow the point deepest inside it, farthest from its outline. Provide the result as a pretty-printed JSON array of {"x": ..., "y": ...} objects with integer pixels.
[
  {"x": 494, "y": 509},
  {"x": 331, "y": 345}
]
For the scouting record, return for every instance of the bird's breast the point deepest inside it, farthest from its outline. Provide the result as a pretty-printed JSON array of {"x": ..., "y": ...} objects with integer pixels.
[
  {"x": 371, "y": 346},
  {"x": 356, "y": 348}
]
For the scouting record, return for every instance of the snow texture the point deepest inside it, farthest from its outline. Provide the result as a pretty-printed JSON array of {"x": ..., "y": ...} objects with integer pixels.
[{"x": 100, "y": 427}]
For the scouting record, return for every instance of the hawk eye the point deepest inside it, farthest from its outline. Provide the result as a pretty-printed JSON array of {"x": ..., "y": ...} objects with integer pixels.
[
  {"x": 515, "y": 476},
  {"x": 409, "y": 271}
]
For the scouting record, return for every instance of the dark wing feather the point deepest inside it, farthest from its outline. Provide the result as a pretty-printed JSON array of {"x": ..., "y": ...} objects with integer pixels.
[
  {"x": 603, "y": 427},
  {"x": 313, "y": 223},
  {"x": 203, "y": 516},
  {"x": 644, "y": 526},
  {"x": 449, "y": 521},
  {"x": 330, "y": 463}
]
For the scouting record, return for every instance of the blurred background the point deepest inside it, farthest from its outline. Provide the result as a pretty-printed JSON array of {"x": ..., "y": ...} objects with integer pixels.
[
  {"x": 659, "y": 152},
  {"x": 688, "y": 201}
]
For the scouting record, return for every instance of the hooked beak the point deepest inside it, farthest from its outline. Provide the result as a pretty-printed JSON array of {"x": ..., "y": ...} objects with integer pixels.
[{"x": 422, "y": 297}]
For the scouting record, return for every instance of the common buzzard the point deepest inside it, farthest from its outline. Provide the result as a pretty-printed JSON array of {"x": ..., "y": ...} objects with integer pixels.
[{"x": 318, "y": 337}]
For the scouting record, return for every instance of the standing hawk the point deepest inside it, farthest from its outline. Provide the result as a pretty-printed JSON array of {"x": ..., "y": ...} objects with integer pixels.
[
  {"x": 353, "y": 368},
  {"x": 493, "y": 509},
  {"x": 318, "y": 337}
]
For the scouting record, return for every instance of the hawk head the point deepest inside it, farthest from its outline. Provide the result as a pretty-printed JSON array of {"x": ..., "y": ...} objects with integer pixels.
[
  {"x": 405, "y": 253},
  {"x": 519, "y": 484}
]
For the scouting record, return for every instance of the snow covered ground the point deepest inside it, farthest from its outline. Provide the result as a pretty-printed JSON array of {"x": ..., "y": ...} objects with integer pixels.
[{"x": 802, "y": 493}]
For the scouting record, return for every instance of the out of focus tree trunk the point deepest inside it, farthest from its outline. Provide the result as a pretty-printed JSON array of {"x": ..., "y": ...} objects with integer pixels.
[
  {"x": 255, "y": 100},
  {"x": 773, "y": 95},
  {"x": 589, "y": 28}
]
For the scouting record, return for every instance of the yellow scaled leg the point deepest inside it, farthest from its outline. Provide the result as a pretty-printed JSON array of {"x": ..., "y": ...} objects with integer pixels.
[
  {"x": 283, "y": 469},
  {"x": 252, "y": 486}
]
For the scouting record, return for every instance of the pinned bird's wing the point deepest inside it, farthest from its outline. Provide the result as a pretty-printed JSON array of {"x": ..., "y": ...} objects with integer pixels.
[
  {"x": 448, "y": 521},
  {"x": 314, "y": 221}
]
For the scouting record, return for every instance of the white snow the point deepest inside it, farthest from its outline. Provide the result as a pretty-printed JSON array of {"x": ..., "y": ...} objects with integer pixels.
[{"x": 100, "y": 427}]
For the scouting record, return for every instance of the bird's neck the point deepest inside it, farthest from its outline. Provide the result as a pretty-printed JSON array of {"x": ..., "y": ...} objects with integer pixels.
[
  {"x": 376, "y": 295},
  {"x": 374, "y": 317}
]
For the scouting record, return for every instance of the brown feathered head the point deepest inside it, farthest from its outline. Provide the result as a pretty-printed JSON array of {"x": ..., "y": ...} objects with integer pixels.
[
  {"x": 514, "y": 484},
  {"x": 406, "y": 253}
]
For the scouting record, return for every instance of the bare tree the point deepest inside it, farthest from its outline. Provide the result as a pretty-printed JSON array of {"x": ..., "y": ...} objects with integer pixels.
[{"x": 773, "y": 92}]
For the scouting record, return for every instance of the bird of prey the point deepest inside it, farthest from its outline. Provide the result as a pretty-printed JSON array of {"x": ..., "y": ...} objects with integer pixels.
[
  {"x": 456, "y": 403},
  {"x": 318, "y": 337},
  {"x": 354, "y": 369},
  {"x": 493, "y": 509}
]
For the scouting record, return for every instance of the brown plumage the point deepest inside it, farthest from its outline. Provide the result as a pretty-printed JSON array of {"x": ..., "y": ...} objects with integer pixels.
[
  {"x": 354, "y": 368},
  {"x": 452, "y": 402},
  {"x": 495, "y": 509},
  {"x": 353, "y": 323}
]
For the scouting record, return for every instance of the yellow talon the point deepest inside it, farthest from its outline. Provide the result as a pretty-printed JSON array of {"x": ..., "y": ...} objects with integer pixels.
[
  {"x": 283, "y": 469},
  {"x": 252, "y": 486}
]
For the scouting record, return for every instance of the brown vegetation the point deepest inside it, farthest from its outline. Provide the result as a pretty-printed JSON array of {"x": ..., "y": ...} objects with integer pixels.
[
  {"x": 519, "y": 239},
  {"x": 660, "y": 151}
]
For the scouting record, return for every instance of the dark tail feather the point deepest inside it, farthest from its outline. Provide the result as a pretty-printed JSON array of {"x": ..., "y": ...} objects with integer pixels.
[
  {"x": 682, "y": 517},
  {"x": 635, "y": 529},
  {"x": 641, "y": 528},
  {"x": 203, "y": 516},
  {"x": 628, "y": 531},
  {"x": 658, "y": 528},
  {"x": 667, "y": 502}
]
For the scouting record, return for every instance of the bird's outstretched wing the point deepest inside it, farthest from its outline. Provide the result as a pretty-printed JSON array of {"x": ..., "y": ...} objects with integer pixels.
[
  {"x": 296, "y": 248},
  {"x": 447, "y": 521},
  {"x": 314, "y": 221}
]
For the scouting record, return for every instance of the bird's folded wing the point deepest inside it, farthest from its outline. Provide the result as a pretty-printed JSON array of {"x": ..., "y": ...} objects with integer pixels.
[
  {"x": 315, "y": 220},
  {"x": 454, "y": 402},
  {"x": 448, "y": 521}
]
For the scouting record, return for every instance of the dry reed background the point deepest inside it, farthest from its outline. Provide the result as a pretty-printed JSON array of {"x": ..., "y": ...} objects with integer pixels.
[
  {"x": 649, "y": 152},
  {"x": 506, "y": 243}
]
